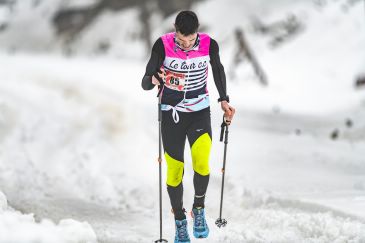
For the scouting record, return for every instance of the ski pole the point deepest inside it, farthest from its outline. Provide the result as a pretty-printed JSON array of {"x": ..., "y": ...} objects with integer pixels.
[
  {"x": 160, "y": 160},
  {"x": 224, "y": 130}
]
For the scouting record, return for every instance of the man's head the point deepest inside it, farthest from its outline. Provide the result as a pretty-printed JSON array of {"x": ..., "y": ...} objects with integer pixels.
[{"x": 186, "y": 25}]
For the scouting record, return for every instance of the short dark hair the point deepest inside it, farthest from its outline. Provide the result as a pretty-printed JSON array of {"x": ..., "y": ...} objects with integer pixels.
[{"x": 186, "y": 22}]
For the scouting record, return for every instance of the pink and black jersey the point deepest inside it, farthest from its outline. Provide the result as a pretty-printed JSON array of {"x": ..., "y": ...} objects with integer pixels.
[
  {"x": 186, "y": 71},
  {"x": 185, "y": 88}
]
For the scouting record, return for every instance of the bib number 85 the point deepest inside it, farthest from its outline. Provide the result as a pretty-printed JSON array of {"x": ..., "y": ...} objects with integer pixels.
[{"x": 175, "y": 81}]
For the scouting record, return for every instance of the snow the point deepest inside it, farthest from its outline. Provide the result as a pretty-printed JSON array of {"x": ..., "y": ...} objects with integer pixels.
[
  {"x": 18, "y": 227},
  {"x": 128, "y": 45},
  {"x": 79, "y": 3},
  {"x": 78, "y": 136},
  {"x": 27, "y": 22}
]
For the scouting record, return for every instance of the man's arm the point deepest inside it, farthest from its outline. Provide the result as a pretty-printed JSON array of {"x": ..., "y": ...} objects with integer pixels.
[
  {"x": 220, "y": 81},
  {"x": 153, "y": 65},
  {"x": 218, "y": 70}
]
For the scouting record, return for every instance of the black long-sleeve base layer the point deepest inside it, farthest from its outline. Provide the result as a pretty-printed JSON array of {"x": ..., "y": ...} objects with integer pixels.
[{"x": 158, "y": 56}]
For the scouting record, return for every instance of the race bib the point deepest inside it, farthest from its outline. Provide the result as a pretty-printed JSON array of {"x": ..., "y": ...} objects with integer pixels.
[{"x": 175, "y": 81}]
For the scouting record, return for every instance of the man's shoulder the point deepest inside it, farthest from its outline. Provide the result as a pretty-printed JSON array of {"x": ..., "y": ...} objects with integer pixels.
[{"x": 158, "y": 44}]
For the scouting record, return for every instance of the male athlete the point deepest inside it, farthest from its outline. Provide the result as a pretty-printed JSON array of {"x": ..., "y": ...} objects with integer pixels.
[{"x": 179, "y": 63}]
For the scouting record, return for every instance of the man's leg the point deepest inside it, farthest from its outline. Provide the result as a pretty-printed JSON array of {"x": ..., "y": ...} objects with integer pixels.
[
  {"x": 173, "y": 137},
  {"x": 200, "y": 139}
]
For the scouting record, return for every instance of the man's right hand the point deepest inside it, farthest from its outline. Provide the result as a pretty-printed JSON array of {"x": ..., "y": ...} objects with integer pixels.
[{"x": 161, "y": 74}]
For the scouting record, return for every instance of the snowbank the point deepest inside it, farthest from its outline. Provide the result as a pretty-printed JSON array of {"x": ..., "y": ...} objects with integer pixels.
[{"x": 16, "y": 227}]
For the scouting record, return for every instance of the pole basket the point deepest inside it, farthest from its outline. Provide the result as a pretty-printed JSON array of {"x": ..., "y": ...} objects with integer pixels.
[{"x": 221, "y": 222}]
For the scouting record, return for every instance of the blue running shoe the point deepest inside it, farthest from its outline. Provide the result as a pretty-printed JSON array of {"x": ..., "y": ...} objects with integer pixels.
[
  {"x": 200, "y": 227},
  {"x": 181, "y": 235}
]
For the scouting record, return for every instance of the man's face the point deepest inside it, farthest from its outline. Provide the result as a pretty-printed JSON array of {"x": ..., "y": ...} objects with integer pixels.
[{"x": 186, "y": 42}]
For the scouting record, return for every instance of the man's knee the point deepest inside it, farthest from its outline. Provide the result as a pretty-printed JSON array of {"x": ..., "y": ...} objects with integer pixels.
[
  {"x": 200, "y": 151},
  {"x": 175, "y": 171}
]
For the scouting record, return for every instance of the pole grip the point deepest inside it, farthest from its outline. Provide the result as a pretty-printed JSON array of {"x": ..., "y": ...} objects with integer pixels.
[{"x": 224, "y": 127}]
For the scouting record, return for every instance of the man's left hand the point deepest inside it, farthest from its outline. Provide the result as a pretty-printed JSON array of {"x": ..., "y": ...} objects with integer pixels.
[{"x": 228, "y": 111}]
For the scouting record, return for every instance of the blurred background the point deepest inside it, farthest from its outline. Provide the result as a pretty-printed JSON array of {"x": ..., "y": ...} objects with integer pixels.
[
  {"x": 89, "y": 26},
  {"x": 79, "y": 136}
]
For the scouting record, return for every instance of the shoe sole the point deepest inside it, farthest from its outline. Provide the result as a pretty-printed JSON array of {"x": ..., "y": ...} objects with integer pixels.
[{"x": 201, "y": 235}]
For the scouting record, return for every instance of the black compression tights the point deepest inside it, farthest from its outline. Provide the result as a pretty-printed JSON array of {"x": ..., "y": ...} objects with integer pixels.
[{"x": 196, "y": 127}]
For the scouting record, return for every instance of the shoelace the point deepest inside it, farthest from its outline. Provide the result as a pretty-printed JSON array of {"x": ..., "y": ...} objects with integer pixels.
[
  {"x": 199, "y": 220},
  {"x": 182, "y": 232}
]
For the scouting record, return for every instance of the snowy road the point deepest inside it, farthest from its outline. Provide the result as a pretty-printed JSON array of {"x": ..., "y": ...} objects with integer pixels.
[{"x": 85, "y": 148}]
